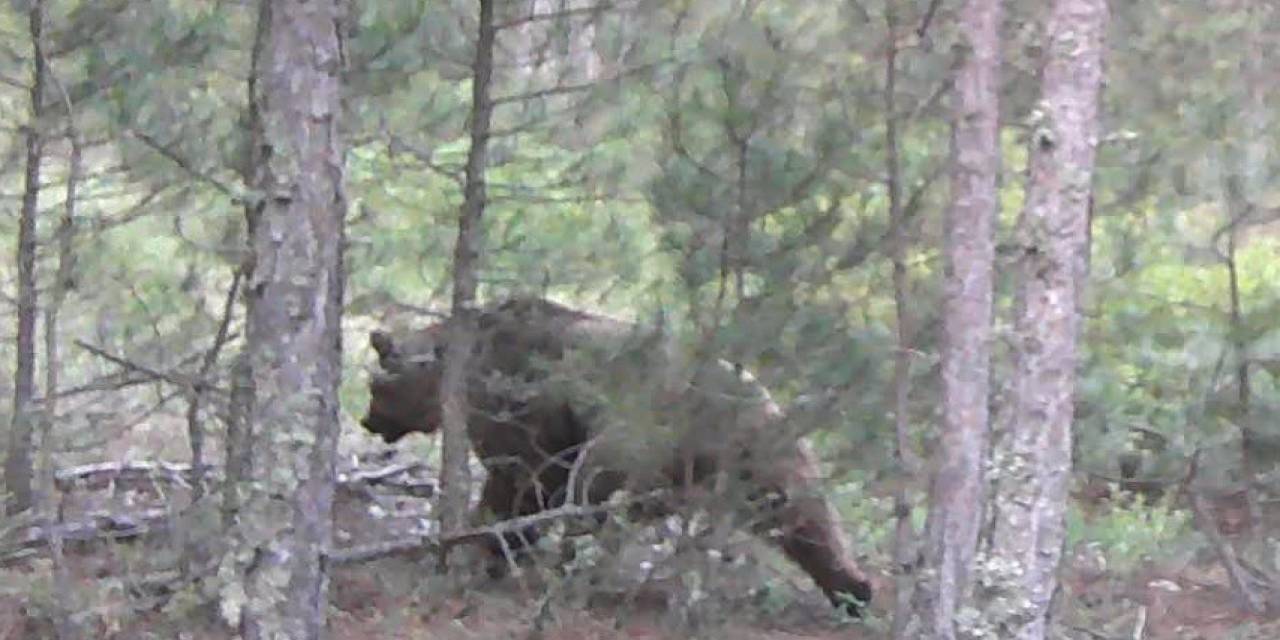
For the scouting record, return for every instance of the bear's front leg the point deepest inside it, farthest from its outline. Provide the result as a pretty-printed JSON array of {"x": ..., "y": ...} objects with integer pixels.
[
  {"x": 808, "y": 531},
  {"x": 502, "y": 499}
]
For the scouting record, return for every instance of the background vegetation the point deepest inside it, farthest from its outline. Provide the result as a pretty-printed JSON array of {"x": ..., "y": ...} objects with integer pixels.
[{"x": 718, "y": 164}]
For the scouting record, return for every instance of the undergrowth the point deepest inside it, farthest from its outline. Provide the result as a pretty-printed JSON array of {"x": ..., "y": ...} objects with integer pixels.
[{"x": 1128, "y": 533}]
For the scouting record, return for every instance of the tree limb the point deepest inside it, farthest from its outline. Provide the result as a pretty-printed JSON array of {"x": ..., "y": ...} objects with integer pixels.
[
  {"x": 555, "y": 15},
  {"x": 184, "y": 164},
  {"x": 172, "y": 378}
]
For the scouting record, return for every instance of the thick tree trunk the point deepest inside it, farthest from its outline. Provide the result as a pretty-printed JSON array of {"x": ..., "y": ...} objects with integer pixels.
[
  {"x": 294, "y": 294},
  {"x": 956, "y": 488},
  {"x": 456, "y": 481},
  {"x": 18, "y": 473},
  {"x": 1032, "y": 458}
]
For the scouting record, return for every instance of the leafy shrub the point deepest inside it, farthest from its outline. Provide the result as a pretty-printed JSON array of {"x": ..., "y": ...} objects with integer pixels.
[{"x": 1127, "y": 534}]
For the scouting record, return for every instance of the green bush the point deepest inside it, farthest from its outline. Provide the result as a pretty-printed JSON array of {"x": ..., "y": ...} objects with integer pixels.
[{"x": 1129, "y": 534}]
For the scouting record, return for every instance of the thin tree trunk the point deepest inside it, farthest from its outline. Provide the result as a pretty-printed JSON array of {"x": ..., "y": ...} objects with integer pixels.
[
  {"x": 1236, "y": 316},
  {"x": 456, "y": 482},
  {"x": 1254, "y": 181},
  {"x": 64, "y": 280},
  {"x": 1238, "y": 208},
  {"x": 1032, "y": 459},
  {"x": 200, "y": 385},
  {"x": 237, "y": 445},
  {"x": 956, "y": 487},
  {"x": 193, "y": 546},
  {"x": 908, "y": 466},
  {"x": 294, "y": 294},
  {"x": 18, "y": 468}
]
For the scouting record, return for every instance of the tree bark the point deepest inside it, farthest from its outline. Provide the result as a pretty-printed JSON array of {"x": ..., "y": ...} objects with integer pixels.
[
  {"x": 956, "y": 487},
  {"x": 1032, "y": 458},
  {"x": 294, "y": 293},
  {"x": 456, "y": 480},
  {"x": 18, "y": 472}
]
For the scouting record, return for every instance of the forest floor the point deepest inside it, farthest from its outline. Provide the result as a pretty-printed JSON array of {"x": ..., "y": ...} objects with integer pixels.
[
  {"x": 399, "y": 598},
  {"x": 1195, "y": 605}
]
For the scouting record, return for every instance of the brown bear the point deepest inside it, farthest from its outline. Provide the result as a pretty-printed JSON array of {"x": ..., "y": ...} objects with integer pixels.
[{"x": 561, "y": 397}]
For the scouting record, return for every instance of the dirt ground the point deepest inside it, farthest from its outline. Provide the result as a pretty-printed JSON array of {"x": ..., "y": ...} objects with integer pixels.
[
  {"x": 398, "y": 598},
  {"x": 1195, "y": 605}
]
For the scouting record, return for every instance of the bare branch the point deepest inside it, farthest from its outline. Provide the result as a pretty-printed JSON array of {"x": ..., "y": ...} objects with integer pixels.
[
  {"x": 573, "y": 88},
  {"x": 397, "y": 144},
  {"x": 172, "y": 378},
  {"x": 556, "y": 15},
  {"x": 927, "y": 20},
  {"x": 184, "y": 164},
  {"x": 123, "y": 380}
]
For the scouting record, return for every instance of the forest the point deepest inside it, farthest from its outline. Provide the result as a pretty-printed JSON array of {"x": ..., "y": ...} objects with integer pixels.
[{"x": 623, "y": 319}]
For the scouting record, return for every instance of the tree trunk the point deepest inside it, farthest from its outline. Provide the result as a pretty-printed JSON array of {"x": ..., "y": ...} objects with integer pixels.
[
  {"x": 18, "y": 468},
  {"x": 238, "y": 442},
  {"x": 294, "y": 295},
  {"x": 1235, "y": 317},
  {"x": 956, "y": 487},
  {"x": 456, "y": 482},
  {"x": 1259, "y": 448},
  {"x": 64, "y": 281},
  {"x": 907, "y": 464},
  {"x": 1032, "y": 458}
]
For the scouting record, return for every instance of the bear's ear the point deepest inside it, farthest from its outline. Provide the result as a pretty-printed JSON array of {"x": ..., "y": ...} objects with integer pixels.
[{"x": 386, "y": 349}]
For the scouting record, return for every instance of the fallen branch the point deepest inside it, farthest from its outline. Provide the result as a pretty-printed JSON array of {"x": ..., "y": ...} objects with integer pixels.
[
  {"x": 25, "y": 541},
  {"x": 96, "y": 526},
  {"x": 398, "y": 477},
  {"x": 99, "y": 474},
  {"x": 436, "y": 543},
  {"x": 103, "y": 525}
]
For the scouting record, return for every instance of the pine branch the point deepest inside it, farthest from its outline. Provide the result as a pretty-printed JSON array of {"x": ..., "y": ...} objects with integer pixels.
[{"x": 556, "y": 15}]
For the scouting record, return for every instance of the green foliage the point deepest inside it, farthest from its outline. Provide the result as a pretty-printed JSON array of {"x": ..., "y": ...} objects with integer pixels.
[
  {"x": 717, "y": 144},
  {"x": 1127, "y": 535},
  {"x": 869, "y": 517}
]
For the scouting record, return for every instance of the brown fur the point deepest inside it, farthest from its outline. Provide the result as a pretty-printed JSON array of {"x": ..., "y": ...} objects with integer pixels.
[{"x": 557, "y": 394}]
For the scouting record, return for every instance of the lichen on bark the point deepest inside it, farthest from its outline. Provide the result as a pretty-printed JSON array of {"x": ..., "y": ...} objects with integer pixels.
[{"x": 273, "y": 581}]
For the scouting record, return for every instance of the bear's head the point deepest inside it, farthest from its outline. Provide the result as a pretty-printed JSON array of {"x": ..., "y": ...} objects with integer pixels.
[{"x": 405, "y": 394}]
